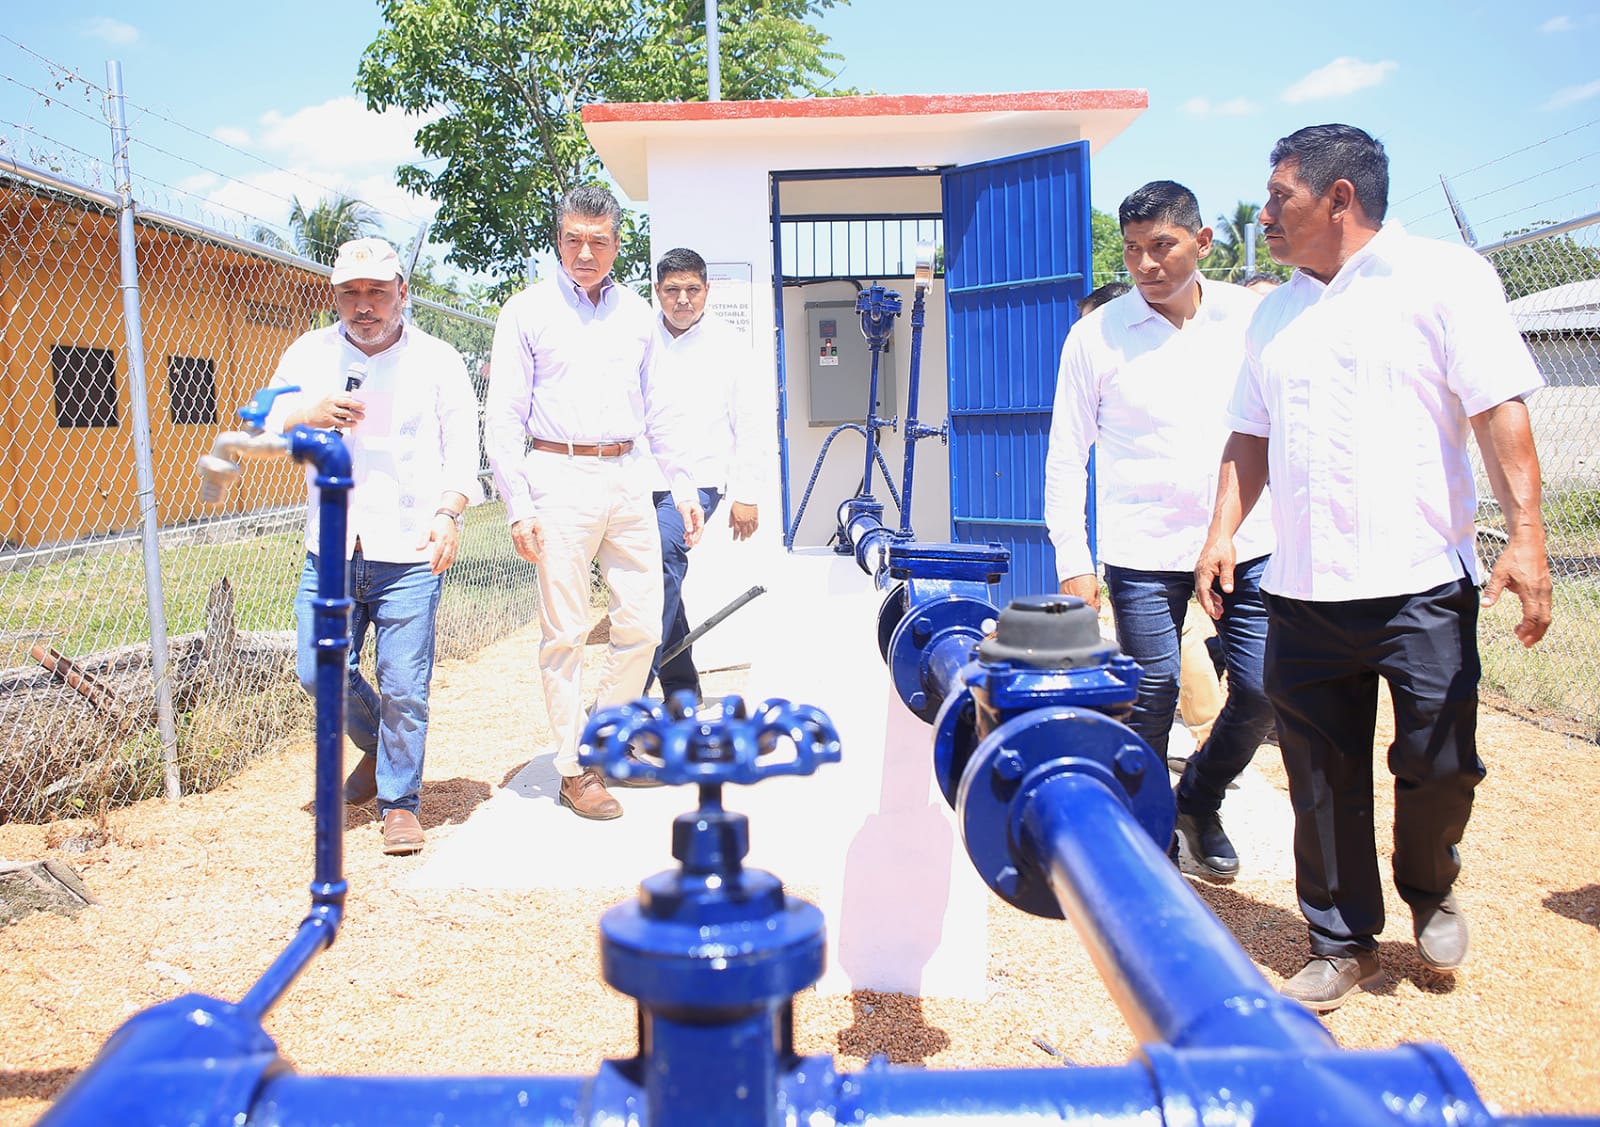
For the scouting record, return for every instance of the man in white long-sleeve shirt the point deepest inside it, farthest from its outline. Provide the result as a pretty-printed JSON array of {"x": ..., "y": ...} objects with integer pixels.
[
  {"x": 702, "y": 366},
  {"x": 571, "y": 379},
  {"x": 410, "y": 419},
  {"x": 1144, "y": 380}
]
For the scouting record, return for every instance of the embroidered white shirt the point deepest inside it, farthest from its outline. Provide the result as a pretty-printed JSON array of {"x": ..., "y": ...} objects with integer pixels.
[
  {"x": 1151, "y": 399},
  {"x": 1363, "y": 389},
  {"x": 704, "y": 374},
  {"x": 566, "y": 369},
  {"x": 417, "y": 441}
]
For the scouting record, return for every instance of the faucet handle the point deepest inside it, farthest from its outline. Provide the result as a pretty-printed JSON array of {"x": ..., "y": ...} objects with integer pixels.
[{"x": 255, "y": 412}]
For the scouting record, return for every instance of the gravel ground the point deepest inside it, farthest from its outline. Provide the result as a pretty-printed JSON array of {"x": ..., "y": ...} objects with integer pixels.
[{"x": 199, "y": 895}]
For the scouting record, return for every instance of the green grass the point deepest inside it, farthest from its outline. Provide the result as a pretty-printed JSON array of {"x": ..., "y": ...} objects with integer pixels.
[{"x": 1560, "y": 677}]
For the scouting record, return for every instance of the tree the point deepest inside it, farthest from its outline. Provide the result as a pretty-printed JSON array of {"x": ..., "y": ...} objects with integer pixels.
[
  {"x": 1105, "y": 249},
  {"x": 318, "y": 233},
  {"x": 1531, "y": 267},
  {"x": 1226, "y": 262},
  {"x": 505, "y": 81}
]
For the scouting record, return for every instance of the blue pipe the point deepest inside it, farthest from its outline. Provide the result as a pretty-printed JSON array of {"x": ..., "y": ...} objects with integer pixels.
[
  {"x": 331, "y": 617},
  {"x": 1174, "y": 970}
]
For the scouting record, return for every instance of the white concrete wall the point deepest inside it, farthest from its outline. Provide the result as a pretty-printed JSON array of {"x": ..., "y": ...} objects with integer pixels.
[{"x": 717, "y": 199}]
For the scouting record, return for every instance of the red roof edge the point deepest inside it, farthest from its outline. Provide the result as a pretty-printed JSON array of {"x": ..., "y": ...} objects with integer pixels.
[{"x": 870, "y": 105}]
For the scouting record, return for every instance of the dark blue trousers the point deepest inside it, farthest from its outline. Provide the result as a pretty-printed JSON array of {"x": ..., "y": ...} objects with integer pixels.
[
  {"x": 679, "y": 674},
  {"x": 1324, "y": 660}
]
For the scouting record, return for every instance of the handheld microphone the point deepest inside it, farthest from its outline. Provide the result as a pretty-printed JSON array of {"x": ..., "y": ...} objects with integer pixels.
[{"x": 353, "y": 375}]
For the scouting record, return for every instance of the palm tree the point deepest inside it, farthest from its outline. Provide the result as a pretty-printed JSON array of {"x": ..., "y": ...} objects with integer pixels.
[
  {"x": 319, "y": 232},
  {"x": 1233, "y": 233}
]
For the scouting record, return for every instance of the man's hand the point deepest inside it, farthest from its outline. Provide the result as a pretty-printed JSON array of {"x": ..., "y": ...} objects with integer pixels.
[
  {"x": 445, "y": 537},
  {"x": 1523, "y": 569},
  {"x": 1086, "y": 587},
  {"x": 694, "y": 522},
  {"x": 743, "y": 520},
  {"x": 527, "y": 537},
  {"x": 341, "y": 409},
  {"x": 1214, "y": 568}
]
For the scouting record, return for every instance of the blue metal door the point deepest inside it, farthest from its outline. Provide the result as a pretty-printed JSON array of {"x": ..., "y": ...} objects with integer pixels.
[{"x": 1016, "y": 260}]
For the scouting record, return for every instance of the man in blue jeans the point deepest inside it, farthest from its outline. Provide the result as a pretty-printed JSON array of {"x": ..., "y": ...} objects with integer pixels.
[
  {"x": 702, "y": 364},
  {"x": 409, "y": 416},
  {"x": 1145, "y": 380}
]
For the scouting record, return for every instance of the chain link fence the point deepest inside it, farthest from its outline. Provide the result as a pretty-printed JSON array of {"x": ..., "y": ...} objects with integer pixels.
[
  {"x": 81, "y": 627},
  {"x": 1552, "y": 279}
]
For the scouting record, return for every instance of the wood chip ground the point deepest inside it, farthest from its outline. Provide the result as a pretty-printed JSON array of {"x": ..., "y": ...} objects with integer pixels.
[{"x": 200, "y": 895}]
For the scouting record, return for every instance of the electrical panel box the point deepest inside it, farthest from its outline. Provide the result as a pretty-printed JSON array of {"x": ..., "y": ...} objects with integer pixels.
[{"x": 840, "y": 366}]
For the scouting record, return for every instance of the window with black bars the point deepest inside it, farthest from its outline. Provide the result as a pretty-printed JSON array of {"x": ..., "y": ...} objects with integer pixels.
[
  {"x": 192, "y": 389},
  {"x": 85, "y": 385}
]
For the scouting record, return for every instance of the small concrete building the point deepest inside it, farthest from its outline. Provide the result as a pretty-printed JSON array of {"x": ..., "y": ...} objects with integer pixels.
[{"x": 798, "y": 207}]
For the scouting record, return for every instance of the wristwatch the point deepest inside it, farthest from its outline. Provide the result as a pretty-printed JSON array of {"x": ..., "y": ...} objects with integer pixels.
[{"x": 442, "y": 511}]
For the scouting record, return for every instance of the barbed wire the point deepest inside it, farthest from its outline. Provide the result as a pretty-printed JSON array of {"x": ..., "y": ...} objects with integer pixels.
[{"x": 142, "y": 112}]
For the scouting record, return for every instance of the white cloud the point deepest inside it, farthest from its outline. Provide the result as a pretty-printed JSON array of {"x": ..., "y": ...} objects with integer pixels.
[
  {"x": 1205, "y": 107},
  {"x": 231, "y": 135},
  {"x": 1572, "y": 95},
  {"x": 338, "y": 147},
  {"x": 1555, "y": 24},
  {"x": 108, "y": 30},
  {"x": 340, "y": 133},
  {"x": 1345, "y": 75}
]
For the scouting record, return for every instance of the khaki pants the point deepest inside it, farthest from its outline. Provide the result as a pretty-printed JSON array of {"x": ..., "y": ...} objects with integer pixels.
[{"x": 594, "y": 509}]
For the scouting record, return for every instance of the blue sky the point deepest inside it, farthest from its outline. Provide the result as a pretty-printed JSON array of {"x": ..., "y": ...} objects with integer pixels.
[{"x": 1504, "y": 98}]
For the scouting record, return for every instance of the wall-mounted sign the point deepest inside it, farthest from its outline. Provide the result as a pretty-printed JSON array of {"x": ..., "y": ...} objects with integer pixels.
[{"x": 730, "y": 296}]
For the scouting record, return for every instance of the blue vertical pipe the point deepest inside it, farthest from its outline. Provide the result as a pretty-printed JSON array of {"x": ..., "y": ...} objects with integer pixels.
[
  {"x": 913, "y": 430},
  {"x": 1176, "y": 973},
  {"x": 331, "y": 618},
  {"x": 876, "y": 348}
]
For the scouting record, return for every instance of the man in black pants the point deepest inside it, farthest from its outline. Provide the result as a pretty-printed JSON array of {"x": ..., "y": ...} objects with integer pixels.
[{"x": 1363, "y": 375}]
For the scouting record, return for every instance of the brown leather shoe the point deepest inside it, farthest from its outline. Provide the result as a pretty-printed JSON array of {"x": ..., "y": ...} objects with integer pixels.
[
  {"x": 587, "y": 796},
  {"x": 402, "y": 833},
  {"x": 1441, "y": 934},
  {"x": 1326, "y": 981},
  {"x": 361, "y": 784}
]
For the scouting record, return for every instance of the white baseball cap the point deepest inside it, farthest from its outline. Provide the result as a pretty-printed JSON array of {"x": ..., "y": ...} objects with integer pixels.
[{"x": 365, "y": 258}]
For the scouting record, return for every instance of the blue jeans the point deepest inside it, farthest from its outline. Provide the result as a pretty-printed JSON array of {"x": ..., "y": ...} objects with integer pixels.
[
  {"x": 679, "y": 674},
  {"x": 1149, "y": 607},
  {"x": 399, "y": 602}
]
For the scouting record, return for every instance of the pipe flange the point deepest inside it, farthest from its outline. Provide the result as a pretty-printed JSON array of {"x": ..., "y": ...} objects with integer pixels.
[
  {"x": 923, "y": 627},
  {"x": 1023, "y": 754},
  {"x": 955, "y": 736},
  {"x": 889, "y": 616}
]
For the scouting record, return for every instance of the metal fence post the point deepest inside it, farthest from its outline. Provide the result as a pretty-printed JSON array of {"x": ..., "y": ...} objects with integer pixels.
[{"x": 133, "y": 332}]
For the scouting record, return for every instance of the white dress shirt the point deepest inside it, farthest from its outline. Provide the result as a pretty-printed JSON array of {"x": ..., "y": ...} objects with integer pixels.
[
  {"x": 1150, "y": 398},
  {"x": 1363, "y": 389},
  {"x": 417, "y": 441},
  {"x": 566, "y": 369},
  {"x": 704, "y": 375}
]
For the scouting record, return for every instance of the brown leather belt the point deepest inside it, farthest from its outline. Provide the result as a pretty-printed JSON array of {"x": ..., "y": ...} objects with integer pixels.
[{"x": 587, "y": 449}]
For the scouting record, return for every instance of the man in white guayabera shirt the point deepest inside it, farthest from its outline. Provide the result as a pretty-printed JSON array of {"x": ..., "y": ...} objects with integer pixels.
[
  {"x": 1363, "y": 375},
  {"x": 410, "y": 419},
  {"x": 569, "y": 408},
  {"x": 704, "y": 366},
  {"x": 1145, "y": 379}
]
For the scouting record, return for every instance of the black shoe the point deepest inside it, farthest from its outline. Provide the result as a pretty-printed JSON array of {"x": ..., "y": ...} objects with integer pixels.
[
  {"x": 1327, "y": 980},
  {"x": 1208, "y": 845},
  {"x": 1441, "y": 934}
]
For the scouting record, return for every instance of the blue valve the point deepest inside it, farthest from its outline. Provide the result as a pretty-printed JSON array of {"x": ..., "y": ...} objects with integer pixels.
[
  {"x": 255, "y": 412},
  {"x": 670, "y": 743}
]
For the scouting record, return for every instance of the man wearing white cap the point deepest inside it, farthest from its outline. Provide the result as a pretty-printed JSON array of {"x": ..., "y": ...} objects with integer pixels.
[{"x": 410, "y": 419}]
